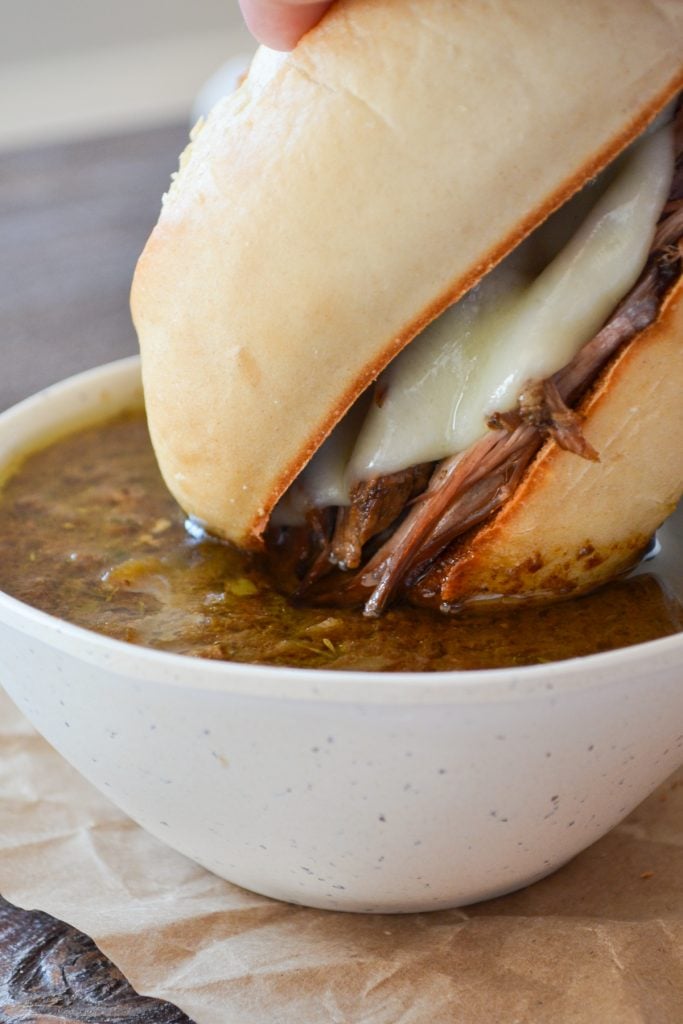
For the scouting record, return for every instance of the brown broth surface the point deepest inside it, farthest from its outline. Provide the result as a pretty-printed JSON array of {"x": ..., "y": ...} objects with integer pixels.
[{"x": 89, "y": 533}]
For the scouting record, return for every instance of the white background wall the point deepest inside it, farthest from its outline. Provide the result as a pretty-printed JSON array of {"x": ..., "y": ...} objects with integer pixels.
[{"x": 75, "y": 67}]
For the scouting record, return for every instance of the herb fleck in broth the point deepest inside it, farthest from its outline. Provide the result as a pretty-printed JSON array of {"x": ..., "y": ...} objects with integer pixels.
[{"x": 88, "y": 532}]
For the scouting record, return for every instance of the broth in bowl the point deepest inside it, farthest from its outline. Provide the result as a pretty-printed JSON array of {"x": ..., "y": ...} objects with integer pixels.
[{"x": 89, "y": 533}]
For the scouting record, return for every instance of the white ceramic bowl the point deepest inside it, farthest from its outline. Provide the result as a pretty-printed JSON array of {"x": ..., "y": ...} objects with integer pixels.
[{"x": 350, "y": 791}]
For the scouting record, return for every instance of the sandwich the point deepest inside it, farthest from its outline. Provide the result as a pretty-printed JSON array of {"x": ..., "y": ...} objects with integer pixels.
[{"x": 413, "y": 307}]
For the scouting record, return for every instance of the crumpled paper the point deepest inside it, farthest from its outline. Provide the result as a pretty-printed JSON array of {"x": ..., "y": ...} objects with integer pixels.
[{"x": 600, "y": 941}]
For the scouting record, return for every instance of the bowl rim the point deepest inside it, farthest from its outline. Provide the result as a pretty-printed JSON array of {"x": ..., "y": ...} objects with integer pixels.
[{"x": 256, "y": 680}]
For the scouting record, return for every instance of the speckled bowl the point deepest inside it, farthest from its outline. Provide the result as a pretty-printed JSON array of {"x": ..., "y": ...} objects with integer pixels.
[{"x": 350, "y": 791}]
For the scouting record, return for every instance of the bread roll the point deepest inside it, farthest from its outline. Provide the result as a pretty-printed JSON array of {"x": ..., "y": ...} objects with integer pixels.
[
  {"x": 573, "y": 524},
  {"x": 347, "y": 194}
]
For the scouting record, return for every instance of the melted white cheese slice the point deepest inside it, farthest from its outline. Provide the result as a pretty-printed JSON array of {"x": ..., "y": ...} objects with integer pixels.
[
  {"x": 525, "y": 320},
  {"x": 476, "y": 358}
]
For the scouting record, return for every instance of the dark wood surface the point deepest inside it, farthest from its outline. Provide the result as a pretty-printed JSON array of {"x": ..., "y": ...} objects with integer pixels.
[
  {"x": 51, "y": 972},
  {"x": 73, "y": 218}
]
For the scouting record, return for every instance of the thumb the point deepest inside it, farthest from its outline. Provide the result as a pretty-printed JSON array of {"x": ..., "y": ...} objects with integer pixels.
[{"x": 281, "y": 23}]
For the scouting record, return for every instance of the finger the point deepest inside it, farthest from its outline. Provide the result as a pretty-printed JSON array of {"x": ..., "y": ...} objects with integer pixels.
[{"x": 280, "y": 24}]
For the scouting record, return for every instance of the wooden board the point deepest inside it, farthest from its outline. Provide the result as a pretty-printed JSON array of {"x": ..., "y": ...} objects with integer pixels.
[
  {"x": 51, "y": 972},
  {"x": 73, "y": 219}
]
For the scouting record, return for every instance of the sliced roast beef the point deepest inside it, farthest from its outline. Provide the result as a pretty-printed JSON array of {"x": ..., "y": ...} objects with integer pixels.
[
  {"x": 460, "y": 499},
  {"x": 375, "y": 505}
]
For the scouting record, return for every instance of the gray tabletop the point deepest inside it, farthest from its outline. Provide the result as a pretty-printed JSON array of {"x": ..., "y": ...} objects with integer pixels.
[{"x": 73, "y": 219}]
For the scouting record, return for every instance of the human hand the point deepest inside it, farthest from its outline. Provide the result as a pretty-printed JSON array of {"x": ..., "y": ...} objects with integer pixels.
[{"x": 281, "y": 23}]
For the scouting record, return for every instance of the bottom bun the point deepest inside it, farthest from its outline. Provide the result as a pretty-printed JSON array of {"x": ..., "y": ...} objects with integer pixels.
[{"x": 572, "y": 524}]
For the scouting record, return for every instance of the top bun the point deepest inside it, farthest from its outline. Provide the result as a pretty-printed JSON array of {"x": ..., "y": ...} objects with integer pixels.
[{"x": 349, "y": 192}]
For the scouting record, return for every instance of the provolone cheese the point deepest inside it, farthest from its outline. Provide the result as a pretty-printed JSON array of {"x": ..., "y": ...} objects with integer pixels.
[
  {"x": 524, "y": 321},
  {"x": 477, "y": 357}
]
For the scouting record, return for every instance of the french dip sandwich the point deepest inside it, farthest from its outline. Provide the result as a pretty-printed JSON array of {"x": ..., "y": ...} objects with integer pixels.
[{"x": 413, "y": 306}]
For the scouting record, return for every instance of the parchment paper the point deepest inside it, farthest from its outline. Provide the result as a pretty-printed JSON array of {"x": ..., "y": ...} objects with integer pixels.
[{"x": 600, "y": 942}]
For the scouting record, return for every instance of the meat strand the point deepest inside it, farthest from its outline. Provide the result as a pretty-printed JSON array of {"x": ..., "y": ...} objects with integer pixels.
[{"x": 375, "y": 506}]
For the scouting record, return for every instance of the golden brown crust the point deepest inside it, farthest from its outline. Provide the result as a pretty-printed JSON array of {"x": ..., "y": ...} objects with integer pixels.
[
  {"x": 573, "y": 524},
  {"x": 347, "y": 194}
]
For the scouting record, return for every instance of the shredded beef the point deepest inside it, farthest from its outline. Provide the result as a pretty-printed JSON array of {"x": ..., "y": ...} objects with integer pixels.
[
  {"x": 469, "y": 497},
  {"x": 468, "y": 487},
  {"x": 542, "y": 406},
  {"x": 375, "y": 506}
]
